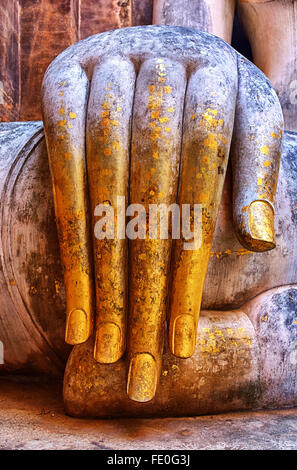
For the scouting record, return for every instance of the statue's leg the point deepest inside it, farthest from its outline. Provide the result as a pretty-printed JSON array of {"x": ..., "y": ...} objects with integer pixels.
[{"x": 32, "y": 304}]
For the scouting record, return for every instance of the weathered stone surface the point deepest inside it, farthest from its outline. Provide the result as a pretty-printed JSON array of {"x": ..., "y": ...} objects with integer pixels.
[
  {"x": 46, "y": 29},
  {"x": 271, "y": 28},
  {"x": 142, "y": 12},
  {"x": 211, "y": 16},
  {"x": 34, "y": 418},
  {"x": 274, "y": 317},
  {"x": 9, "y": 61},
  {"x": 221, "y": 375},
  {"x": 32, "y": 342},
  {"x": 101, "y": 15},
  {"x": 34, "y": 32},
  {"x": 256, "y": 270},
  {"x": 237, "y": 365}
]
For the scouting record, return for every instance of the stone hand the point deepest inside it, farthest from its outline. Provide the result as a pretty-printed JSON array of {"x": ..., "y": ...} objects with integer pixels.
[{"x": 149, "y": 114}]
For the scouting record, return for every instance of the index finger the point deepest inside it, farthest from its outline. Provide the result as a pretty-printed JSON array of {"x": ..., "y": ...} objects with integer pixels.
[{"x": 64, "y": 100}]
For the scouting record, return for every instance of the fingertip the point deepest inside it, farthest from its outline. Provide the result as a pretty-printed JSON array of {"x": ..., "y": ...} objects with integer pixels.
[
  {"x": 183, "y": 336},
  {"x": 78, "y": 328},
  {"x": 142, "y": 377},
  {"x": 108, "y": 348},
  {"x": 256, "y": 230},
  {"x": 261, "y": 224}
]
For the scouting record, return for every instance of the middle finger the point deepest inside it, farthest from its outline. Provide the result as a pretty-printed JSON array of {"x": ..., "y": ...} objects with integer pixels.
[{"x": 156, "y": 143}]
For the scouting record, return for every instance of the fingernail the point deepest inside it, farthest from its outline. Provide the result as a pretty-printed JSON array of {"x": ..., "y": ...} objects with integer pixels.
[
  {"x": 261, "y": 224},
  {"x": 184, "y": 336},
  {"x": 142, "y": 377},
  {"x": 107, "y": 345},
  {"x": 77, "y": 327}
]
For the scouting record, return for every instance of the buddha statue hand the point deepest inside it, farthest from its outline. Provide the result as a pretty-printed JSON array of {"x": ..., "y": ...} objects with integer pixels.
[{"x": 144, "y": 117}]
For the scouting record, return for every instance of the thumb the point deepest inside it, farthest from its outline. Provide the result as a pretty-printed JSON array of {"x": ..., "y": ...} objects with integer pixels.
[{"x": 255, "y": 155}]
